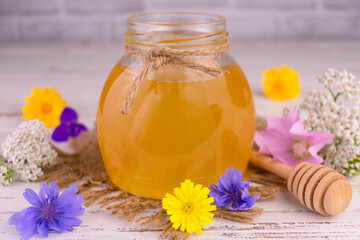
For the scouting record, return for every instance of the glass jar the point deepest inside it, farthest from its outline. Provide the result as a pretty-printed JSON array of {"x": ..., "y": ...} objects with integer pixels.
[{"x": 183, "y": 123}]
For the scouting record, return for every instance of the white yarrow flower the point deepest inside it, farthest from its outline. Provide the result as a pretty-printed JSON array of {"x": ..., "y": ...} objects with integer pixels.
[
  {"x": 335, "y": 110},
  {"x": 28, "y": 150},
  {"x": 6, "y": 175}
]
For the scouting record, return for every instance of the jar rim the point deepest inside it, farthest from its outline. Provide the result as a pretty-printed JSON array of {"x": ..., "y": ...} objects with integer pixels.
[
  {"x": 217, "y": 19},
  {"x": 176, "y": 30}
]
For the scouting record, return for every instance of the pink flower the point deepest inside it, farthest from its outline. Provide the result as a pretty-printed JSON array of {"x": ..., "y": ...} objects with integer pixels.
[{"x": 286, "y": 140}]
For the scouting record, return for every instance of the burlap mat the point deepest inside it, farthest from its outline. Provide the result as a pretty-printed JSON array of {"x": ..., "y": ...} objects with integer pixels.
[{"x": 86, "y": 169}]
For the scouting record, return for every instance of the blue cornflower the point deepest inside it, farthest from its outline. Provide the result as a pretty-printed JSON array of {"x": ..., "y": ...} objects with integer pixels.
[
  {"x": 231, "y": 192},
  {"x": 69, "y": 127},
  {"x": 49, "y": 211}
]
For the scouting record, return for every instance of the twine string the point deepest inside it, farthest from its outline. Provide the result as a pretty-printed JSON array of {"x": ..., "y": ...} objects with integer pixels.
[{"x": 158, "y": 57}]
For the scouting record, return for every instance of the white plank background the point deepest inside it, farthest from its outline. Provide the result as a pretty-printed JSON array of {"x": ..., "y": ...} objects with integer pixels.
[{"x": 79, "y": 72}]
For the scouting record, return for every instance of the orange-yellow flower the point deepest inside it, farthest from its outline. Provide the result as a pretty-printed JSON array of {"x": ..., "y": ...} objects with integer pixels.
[
  {"x": 281, "y": 84},
  {"x": 45, "y": 105}
]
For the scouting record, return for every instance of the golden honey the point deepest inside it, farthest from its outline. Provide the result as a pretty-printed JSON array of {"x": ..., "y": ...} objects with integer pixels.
[{"x": 183, "y": 125}]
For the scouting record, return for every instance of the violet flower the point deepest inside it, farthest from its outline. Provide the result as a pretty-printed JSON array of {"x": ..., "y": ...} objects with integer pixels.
[
  {"x": 68, "y": 126},
  {"x": 231, "y": 192},
  {"x": 286, "y": 140},
  {"x": 49, "y": 211}
]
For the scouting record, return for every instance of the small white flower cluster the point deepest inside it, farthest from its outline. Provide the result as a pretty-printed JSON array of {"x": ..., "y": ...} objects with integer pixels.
[
  {"x": 335, "y": 110},
  {"x": 28, "y": 150},
  {"x": 6, "y": 175}
]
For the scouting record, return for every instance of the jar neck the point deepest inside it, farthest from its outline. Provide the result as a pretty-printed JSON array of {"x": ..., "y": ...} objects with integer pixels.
[{"x": 176, "y": 30}]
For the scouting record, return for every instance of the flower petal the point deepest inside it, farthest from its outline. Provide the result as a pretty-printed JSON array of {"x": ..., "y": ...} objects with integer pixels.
[
  {"x": 220, "y": 199},
  {"x": 313, "y": 159},
  {"x": 251, "y": 201},
  {"x": 233, "y": 175},
  {"x": 16, "y": 217},
  {"x": 43, "y": 229},
  {"x": 51, "y": 192},
  {"x": 237, "y": 205},
  {"x": 76, "y": 129},
  {"x": 70, "y": 204},
  {"x": 284, "y": 124},
  {"x": 61, "y": 133},
  {"x": 298, "y": 132},
  {"x": 68, "y": 195},
  {"x": 25, "y": 221},
  {"x": 54, "y": 189},
  {"x": 272, "y": 141},
  {"x": 72, "y": 210},
  {"x": 243, "y": 192},
  {"x": 320, "y": 139},
  {"x": 245, "y": 184},
  {"x": 224, "y": 184},
  {"x": 68, "y": 116},
  {"x": 287, "y": 158},
  {"x": 69, "y": 221},
  {"x": 32, "y": 198},
  {"x": 260, "y": 140},
  {"x": 56, "y": 225}
]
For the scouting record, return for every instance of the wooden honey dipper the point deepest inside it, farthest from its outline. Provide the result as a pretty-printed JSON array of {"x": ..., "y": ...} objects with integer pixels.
[{"x": 319, "y": 188}]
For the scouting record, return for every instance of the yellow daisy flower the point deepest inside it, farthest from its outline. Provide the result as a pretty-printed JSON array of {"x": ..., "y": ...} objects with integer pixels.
[
  {"x": 45, "y": 105},
  {"x": 190, "y": 207},
  {"x": 281, "y": 84}
]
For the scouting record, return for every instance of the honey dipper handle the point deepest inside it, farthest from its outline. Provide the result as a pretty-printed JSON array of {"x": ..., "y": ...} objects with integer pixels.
[{"x": 269, "y": 164}]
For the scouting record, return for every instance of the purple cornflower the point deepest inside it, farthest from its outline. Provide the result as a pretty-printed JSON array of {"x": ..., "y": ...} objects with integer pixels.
[
  {"x": 49, "y": 211},
  {"x": 68, "y": 126},
  {"x": 231, "y": 192}
]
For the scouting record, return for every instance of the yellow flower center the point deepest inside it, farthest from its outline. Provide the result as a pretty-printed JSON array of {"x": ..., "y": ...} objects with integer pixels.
[
  {"x": 187, "y": 208},
  {"x": 278, "y": 86},
  {"x": 46, "y": 108}
]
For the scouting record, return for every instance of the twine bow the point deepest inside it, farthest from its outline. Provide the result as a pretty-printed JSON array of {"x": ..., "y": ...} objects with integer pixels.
[{"x": 158, "y": 57}]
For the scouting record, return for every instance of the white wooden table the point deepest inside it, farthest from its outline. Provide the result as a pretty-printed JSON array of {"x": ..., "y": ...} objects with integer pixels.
[{"x": 79, "y": 72}]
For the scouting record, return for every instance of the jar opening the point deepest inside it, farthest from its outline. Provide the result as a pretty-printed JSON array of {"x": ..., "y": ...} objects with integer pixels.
[
  {"x": 176, "y": 18},
  {"x": 176, "y": 30}
]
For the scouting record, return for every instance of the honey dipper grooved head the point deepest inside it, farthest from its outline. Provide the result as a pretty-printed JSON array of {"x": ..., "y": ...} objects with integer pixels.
[{"x": 320, "y": 188}]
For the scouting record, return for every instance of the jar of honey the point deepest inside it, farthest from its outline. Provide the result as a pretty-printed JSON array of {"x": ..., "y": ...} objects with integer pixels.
[{"x": 184, "y": 121}]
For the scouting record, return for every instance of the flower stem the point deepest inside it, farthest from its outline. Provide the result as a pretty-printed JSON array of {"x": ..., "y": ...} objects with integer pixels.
[
  {"x": 356, "y": 142},
  {"x": 338, "y": 141},
  {"x": 333, "y": 95}
]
